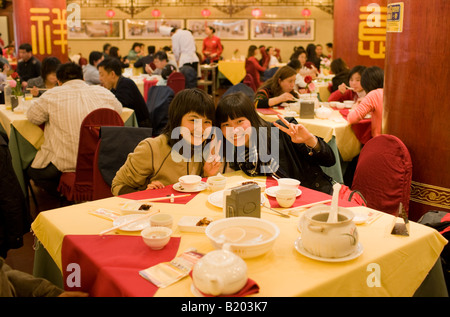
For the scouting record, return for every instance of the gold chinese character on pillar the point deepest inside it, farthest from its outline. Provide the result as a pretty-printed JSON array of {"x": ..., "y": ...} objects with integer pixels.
[
  {"x": 43, "y": 24},
  {"x": 372, "y": 31}
]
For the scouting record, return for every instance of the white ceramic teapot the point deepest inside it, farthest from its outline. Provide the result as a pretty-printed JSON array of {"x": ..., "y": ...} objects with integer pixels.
[
  {"x": 220, "y": 272},
  {"x": 328, "y": 239},
  {"x": 323, "y": 112}
]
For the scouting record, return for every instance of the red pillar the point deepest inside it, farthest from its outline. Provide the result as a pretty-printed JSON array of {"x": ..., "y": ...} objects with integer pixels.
[{"x": 43, "y": 24}]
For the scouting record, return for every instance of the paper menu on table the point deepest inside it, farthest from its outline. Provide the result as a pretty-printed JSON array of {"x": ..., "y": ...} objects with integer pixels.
[{"x": 167, "y": 273}]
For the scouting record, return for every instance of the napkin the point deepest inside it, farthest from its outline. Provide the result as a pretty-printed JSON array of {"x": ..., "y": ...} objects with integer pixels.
[
  {"x": 250, "y": 288},
  {"x": 156, "y": 193},
  {"x": 109, "y": 265}
]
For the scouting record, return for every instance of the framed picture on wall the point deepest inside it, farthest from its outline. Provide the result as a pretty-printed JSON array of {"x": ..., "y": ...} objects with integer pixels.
[
  {"x": 226, "y": 29},
  {"x": 150, "y": 29},
  {"x": 97, "y": 30},
  {"x": 303, "y": 30}
]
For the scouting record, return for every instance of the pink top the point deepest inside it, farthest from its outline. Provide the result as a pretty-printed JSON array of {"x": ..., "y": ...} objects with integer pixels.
[{"x": 373, "y": 104}]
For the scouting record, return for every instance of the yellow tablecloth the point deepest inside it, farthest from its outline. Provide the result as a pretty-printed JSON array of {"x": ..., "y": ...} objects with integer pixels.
[
  {"x": 234, "y": 71},
  {"x": 346, "y": 140},
  {"x": 402, "y": 262}
]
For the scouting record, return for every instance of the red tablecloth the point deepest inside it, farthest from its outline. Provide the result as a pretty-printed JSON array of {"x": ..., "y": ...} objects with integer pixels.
[
  {"x": 308, "y": 196},
  {"x": 362, "y": 130},
  {"x": 166, "y": 191},
  {"x": 109, "y": 265},
  {"x": 267, "y": 111}
]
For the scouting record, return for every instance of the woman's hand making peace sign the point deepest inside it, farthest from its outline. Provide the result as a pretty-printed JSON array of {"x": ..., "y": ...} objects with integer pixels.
[{"x": 298, "y": 133}]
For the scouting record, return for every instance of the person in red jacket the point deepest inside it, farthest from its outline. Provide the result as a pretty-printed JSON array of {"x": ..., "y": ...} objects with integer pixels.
[
  {"x": 252, "y": 66},
  {"x": 212, "y": 48}
]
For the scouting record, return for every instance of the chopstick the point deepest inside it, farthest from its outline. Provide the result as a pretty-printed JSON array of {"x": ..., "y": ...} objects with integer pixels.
[
  {"x": 38, "y": 88},
  {"x": 349, "y": 87},
  {"x": 308, "y": 205},
  {"x": 279, "y": 213},
  {"x": 128, "y": 222},
  {"x": 163, "y": 198}
]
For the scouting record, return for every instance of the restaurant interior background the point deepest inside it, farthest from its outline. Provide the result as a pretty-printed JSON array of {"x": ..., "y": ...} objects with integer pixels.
[{"x": 357, "y": 29}]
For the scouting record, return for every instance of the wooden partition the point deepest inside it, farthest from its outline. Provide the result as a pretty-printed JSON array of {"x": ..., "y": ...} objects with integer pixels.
[
  {"x": 416, "y": 101},
  {"x": 360, "y": 32},
  {"x": 42, "y": 23}
]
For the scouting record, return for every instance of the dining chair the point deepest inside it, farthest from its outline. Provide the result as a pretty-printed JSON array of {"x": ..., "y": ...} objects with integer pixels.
[
  {"x": 112, "y": 150},
  {"x": 241, "y": 87},
  {"x": 176, "y": 81},
  {"x": 383, "y": 174},
  {"x": 77, "y": 186},
  {"x": 158, "y": 101},
  {"x": 147, "y": 85},
  {"x": 249, "y": 81}
]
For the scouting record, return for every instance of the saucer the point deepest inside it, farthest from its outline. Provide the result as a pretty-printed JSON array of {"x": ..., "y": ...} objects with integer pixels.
[
  {"x": 271, "y": 191},
  {"x": 134, "y": 226},
  {"x": 199, "y": 188},
  {"x": 300, "y": 249}
]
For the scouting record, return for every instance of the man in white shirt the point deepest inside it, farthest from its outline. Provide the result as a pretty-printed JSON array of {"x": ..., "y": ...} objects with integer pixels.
[
  {"x": 90, "y": 71},
  {"x": 184, "y": 49},
  {"x": 63, "y": 109}
]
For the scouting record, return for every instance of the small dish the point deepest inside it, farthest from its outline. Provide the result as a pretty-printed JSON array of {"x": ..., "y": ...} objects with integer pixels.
[
  {"x": 300, "y": 249},
  {"x": 271, "y": 191},
  {"x": 191, "y": 223},
  {"x": 134, "y": 226},
  {"x": 135, "y": 207},
  {"x": 360, "y": 218},
  {"x": 202, "y": 186}
]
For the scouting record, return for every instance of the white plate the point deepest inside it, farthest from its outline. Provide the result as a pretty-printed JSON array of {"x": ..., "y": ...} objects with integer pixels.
[
  {"x": 199, "y": 188},
  {"x": 300, "y": 249},
  {"x": 188, "y": 224},
  {"x": 135, "y": 226},
  {"x": 216, "y": 199},
  {"x": 271, "y": 191}
]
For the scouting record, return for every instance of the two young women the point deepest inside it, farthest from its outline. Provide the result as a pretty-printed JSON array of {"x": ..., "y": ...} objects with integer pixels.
[{"x": 257, "y": 147}]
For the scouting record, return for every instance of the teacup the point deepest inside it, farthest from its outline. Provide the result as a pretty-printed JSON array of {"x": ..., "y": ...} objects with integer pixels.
[
  {"x": 156, "y": 237},
  {"x": 288, "y": 183},
  {"x": 161, "y": 220},
  {"x": 286, "y": 197},
  {"x": 220, "y": 272},
  {"x": 190, "y": 182},
  {"x": 217, "y": 182}
]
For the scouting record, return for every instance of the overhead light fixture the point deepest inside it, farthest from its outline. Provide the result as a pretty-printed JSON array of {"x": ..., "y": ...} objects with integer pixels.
[
  {"x": 156, "y": 13},
  {"x": 306, "y": 12},
  {"x": 206, "y": 13},
  {"x": 257, "y": 12},
  {"x": 110, "y": 13}
]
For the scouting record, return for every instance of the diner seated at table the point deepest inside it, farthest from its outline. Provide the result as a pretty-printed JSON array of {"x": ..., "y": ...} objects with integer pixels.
[
  {"x": 28, "y": 66},
  {"x": 273, "y": 60},
  {"x": 161, "y": 61},
  {"x": 125, "y": 89},
  {"x": 252, "y": 65},
  {"x": 340, "y": 70},
  {"x": 47, "y": 80},
  {"x": 300, "y": 153},
  {"x": 145, "y": 60},
  {"x": 312, "y": 57},
  {"x": 135, "y": 52},
  {"x": 372, "y": 80},
  {"x": 90, "y": 71},
  {"x": 300, "y": 55},
  {"x": 278, "y": 89},
  {"x": 4, "y": 69},
  {"x": 114, "y": 52},
  {"x": 63, "y": 109},
  {"x": 300, "y": 85},
  {"x": 355, "y": 92},
  {"x": 160, "y": 161}
]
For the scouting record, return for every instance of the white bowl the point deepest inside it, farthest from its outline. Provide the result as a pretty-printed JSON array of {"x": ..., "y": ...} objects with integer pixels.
[
  {"x": 156, "y": 237},
  {"x": 286, "y": 197},
  {"x": 190, "y": 182},
  {"x": 288, "y": 183},
  {"x": 247, "y": 248},
  {"x": 161, "y": 220},
  {"x": 338, "y": 105}
]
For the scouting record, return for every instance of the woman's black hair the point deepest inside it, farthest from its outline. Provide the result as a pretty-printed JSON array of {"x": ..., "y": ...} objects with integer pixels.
[
  {"x": 49, "y": 65},
  {"x": 338, "y": 66},
  {"x": 357, "y": 69},
  {"x": 372, "y": 78},
  {"x": 188, "y": 100},
  {"x": 69, "y": 71}
]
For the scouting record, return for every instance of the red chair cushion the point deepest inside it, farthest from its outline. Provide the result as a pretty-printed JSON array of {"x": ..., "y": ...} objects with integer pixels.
[{"x": 383, "y": 174}]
